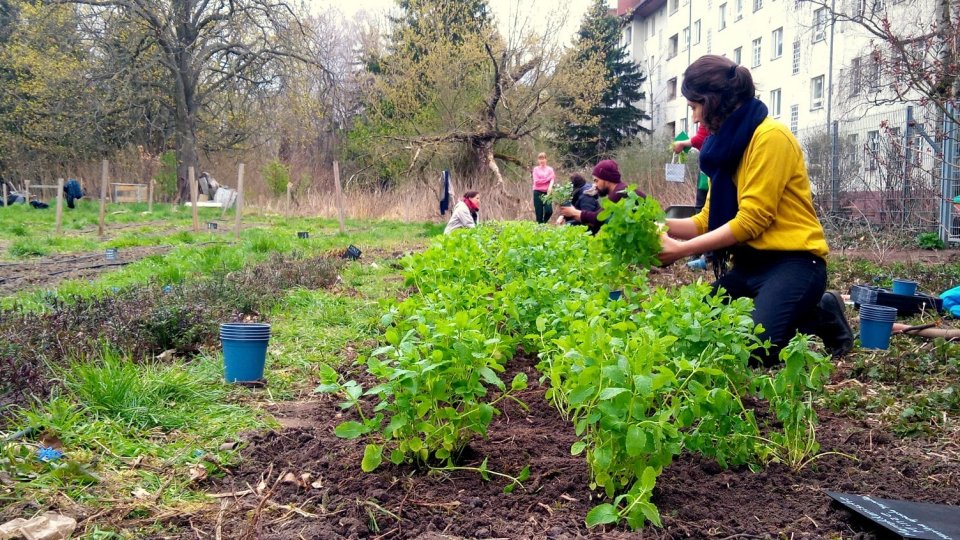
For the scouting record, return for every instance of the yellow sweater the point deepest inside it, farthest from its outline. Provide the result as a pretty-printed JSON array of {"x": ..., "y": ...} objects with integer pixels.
[{"x": 773, "y": 191}]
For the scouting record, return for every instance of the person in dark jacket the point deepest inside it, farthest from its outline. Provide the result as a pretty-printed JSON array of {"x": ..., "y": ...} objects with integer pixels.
[
  {"x": 606, "y": 180},
  {"x": 72, "y": 191},
  {"x": 584, "y": 197}
]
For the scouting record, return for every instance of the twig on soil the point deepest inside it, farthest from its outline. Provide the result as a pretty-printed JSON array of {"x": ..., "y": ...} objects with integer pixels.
[
  {"x": 196, "y": 531},
  {"x": 233, "y": 494},
  {"x": 815, "y": 526},
  {"x": 447, "y": 505},
  {"x": 219, "y": 527}
]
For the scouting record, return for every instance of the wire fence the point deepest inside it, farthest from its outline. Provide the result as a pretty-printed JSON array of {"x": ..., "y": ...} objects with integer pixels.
[{"x": 894, "y": 172}]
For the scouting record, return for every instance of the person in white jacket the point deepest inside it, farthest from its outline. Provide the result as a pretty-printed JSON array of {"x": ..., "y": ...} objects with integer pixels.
[{"x": 465, "y": 213}]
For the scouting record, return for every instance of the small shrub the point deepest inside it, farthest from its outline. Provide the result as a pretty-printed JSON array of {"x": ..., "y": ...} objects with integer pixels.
[
  {"x": 929, "y": 240},
  {"x": 277, "y": 176},
  {"x": 19, "y": 230},
  {"x": 29, "y": 247}
]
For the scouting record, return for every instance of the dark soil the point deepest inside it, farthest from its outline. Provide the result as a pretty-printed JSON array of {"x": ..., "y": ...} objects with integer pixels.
[
  {"x": 695, "y": 496},
  {"x": 48, "y": 271}
]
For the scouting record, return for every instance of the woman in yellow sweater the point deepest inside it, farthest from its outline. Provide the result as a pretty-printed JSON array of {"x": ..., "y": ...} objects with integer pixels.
[{"x": 759, "y": 221}]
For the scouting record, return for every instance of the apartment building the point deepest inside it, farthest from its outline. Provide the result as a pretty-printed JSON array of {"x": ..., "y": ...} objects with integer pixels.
[{"x": 785, "y": 43}]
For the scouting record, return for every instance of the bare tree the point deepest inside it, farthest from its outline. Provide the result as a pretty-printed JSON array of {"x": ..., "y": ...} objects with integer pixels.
[{"x": 215, "y": 54}]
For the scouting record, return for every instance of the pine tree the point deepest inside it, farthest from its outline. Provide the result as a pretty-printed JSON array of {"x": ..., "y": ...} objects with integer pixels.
[{"x": 612, "y": 119}]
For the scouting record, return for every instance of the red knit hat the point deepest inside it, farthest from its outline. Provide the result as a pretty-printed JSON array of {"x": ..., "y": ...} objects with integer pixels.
[{"x": 607, "y": 170}]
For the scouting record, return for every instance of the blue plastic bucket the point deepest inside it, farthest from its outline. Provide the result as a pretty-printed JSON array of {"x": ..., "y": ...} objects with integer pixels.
[
  {"x": 876, "y": 325},
  {"x": 244, "y": 360},
  {"x": 904, "y": 287},
  {"x": 244, "y": 351},
  {"x": 616, "y": 295}
]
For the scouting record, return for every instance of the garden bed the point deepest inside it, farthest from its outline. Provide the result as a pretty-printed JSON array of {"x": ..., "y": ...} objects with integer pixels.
[{"x": 696, "y": 497}]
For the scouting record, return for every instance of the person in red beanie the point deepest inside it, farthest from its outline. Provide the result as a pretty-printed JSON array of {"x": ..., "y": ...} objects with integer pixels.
[{"x": 607, "y": 182}]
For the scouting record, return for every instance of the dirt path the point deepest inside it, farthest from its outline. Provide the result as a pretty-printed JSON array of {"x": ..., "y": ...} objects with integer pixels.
[
  {"x": 48, "y": 271},
  {"x": 697, "y": 499}
]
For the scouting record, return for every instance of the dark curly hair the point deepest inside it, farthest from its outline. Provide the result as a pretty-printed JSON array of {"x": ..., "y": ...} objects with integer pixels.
[{"x": 720, "y": 85}]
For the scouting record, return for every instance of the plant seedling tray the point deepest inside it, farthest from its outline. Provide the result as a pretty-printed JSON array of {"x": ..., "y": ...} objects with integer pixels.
[{"x": 906, "y": 305}]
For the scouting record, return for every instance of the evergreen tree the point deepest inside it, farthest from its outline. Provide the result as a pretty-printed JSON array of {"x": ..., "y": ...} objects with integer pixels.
[{"x": 612, "y": 118}]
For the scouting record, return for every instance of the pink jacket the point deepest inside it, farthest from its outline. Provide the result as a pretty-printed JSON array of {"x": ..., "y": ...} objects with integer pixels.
[{"x": 542, "y": 176}]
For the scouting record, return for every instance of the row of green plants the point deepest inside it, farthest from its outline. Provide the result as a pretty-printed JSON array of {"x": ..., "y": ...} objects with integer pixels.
[{"x": 641, "y": 378}]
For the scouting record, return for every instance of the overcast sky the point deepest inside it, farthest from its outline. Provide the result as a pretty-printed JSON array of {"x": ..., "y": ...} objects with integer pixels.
[{"x": 536, "y": 11}]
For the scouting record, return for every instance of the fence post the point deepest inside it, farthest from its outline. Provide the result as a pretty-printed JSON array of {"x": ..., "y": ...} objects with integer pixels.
[
  {"x": 834, "y": 169},
  {"x": 193, "y": 197},
  {"x": 104, "y": 174},
  {"x": 59, "y": 204},
  {"x": 4, "y": 194},
  {"x": 947, "y": 172},
  {"x": 150, "y": 196},
  {"x": 289, "y": 195},
  {"x": 339, "y": 189},
  {"x": 239, "y": 202}
]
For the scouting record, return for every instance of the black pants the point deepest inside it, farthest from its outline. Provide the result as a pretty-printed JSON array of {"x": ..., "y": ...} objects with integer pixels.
[
  {"x": 543, "y": 209},
  {"x": 786, "y": 288}
]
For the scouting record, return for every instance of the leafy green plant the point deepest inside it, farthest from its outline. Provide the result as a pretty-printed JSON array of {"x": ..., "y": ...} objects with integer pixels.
[
  {"x": 929, "y": 240},
  {"x": 277, "y": 176},
  {"x": 631, "y": 230},
  {"x": 561, "y": 193}
]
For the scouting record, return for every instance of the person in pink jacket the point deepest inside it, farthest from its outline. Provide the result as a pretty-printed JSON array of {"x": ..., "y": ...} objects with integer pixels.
[{"x": 543, "y": 177}]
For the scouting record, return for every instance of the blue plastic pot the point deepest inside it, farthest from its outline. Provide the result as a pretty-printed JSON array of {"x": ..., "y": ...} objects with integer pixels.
[
  {"x": 904, "y": 287},
  {"x": 876, "y": 325},
  {"x": 616, "y": 295},
  {"x": 244, "y": 351},
  {"x": 244, "y": 360}
]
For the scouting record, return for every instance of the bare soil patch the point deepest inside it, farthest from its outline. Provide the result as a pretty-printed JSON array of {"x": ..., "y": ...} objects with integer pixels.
[
  {"x": 48, "y": 271},
  {"x": 696, "y": 497}
]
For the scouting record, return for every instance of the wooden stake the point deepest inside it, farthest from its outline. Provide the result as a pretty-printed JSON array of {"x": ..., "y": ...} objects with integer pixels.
[
  {"x": 26, "y": 189},
  {"x": 289, "y": 193},
  {"x": 150, "y": 196},
  {"x": 59, "y": 204},
  {"x": 4, "y": 194},
  {"x": 239, "y": 202},
  {"x": 104, "y": 178},
  {"x": 336, "y": 185},
  {"x": 194, "y": 188}
]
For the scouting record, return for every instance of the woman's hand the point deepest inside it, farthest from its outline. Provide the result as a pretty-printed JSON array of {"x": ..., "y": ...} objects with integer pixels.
[
  {"x": 672, "y": 250},
  {"x": 679, "y": 146}
]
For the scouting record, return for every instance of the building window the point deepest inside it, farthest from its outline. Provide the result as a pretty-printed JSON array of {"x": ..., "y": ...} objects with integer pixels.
[
  {"x": 674, "y": 6},
  {"x": 696, "y": 32},
  {"x": 757, "y": 4},
  {"x": 796, "y": 57},
  {"x": 819, "y": 24},
  {"x": 872, "y": 149},
  {"x": 672, "y": 47},
  {"x": 794, "y": 118},
  {"x": 777, "y": 43},
  {"x": 737, "y": 10},
  {"x": 653, "y": 26},
  {"x": 686, "y": 38},
  {"x": 709, "y": 41},
  {"x": 628, "y": 35},
  {"x": 672, "y": 89},
  {"x": 853, "y": 148},
  {"x": 873, "y": 73},
  {"x": 683, "y": 125},
  {"x": 775, "y": 103},
  {"x": 737, "y": 55},
  {"x": 816, "y": 93},
  {"x": 722, "y": 22},
  {"x": 756, "y": 53},
  {"x": 855, "y": 72}
]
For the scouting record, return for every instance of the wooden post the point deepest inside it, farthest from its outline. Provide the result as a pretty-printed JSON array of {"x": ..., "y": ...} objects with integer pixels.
[
  {"x": 194, "y": 188},
  {"x": 104, "y": 178},
  {"x": 289, "y": 195},
  {"x": 150, "y": 196},
  {"x": 26, "y": 189},
  {"x": 59, "y": 204},
  {"x": 4, "y": 194},
  {"x": 336, "y": 185},
  {"x": 239, "y": 201}
]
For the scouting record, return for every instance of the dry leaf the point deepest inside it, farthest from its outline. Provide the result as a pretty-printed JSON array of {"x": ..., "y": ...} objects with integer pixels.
[
  {"x": 317, "y": 484},
  {"x": 289, "y": 478},
  {"x": 197, "y": 473},
  {"x": 305, "y": 479},
  {"x": 261, "y": 486},
  {"x": 141, "y": 493}
]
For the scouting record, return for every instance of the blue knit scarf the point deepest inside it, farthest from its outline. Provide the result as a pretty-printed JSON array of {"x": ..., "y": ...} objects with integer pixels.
[{"x": 719, "y": 158}]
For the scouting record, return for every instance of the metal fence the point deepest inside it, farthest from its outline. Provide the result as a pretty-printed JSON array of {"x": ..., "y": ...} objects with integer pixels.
[{"x": 896, "y": 170}]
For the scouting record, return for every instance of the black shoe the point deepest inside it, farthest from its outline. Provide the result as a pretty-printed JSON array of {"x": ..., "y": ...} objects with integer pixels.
[{"x": 834, "y": 329}]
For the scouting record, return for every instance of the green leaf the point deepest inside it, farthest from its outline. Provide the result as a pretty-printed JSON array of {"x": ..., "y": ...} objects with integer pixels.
[
  {"x": 327, "y": 388},
  {"x": 491, "y": 378},
  {"x": 610, "y": 393},
  {"x": 577, "y": 448},
  {"x": 636, "y": 441},
  {"x": 519, "y": 382},
  {"x": 602, "y": 515},
  {"x": 350, "y": 430},
  {"x": 372, "y": 457}
]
